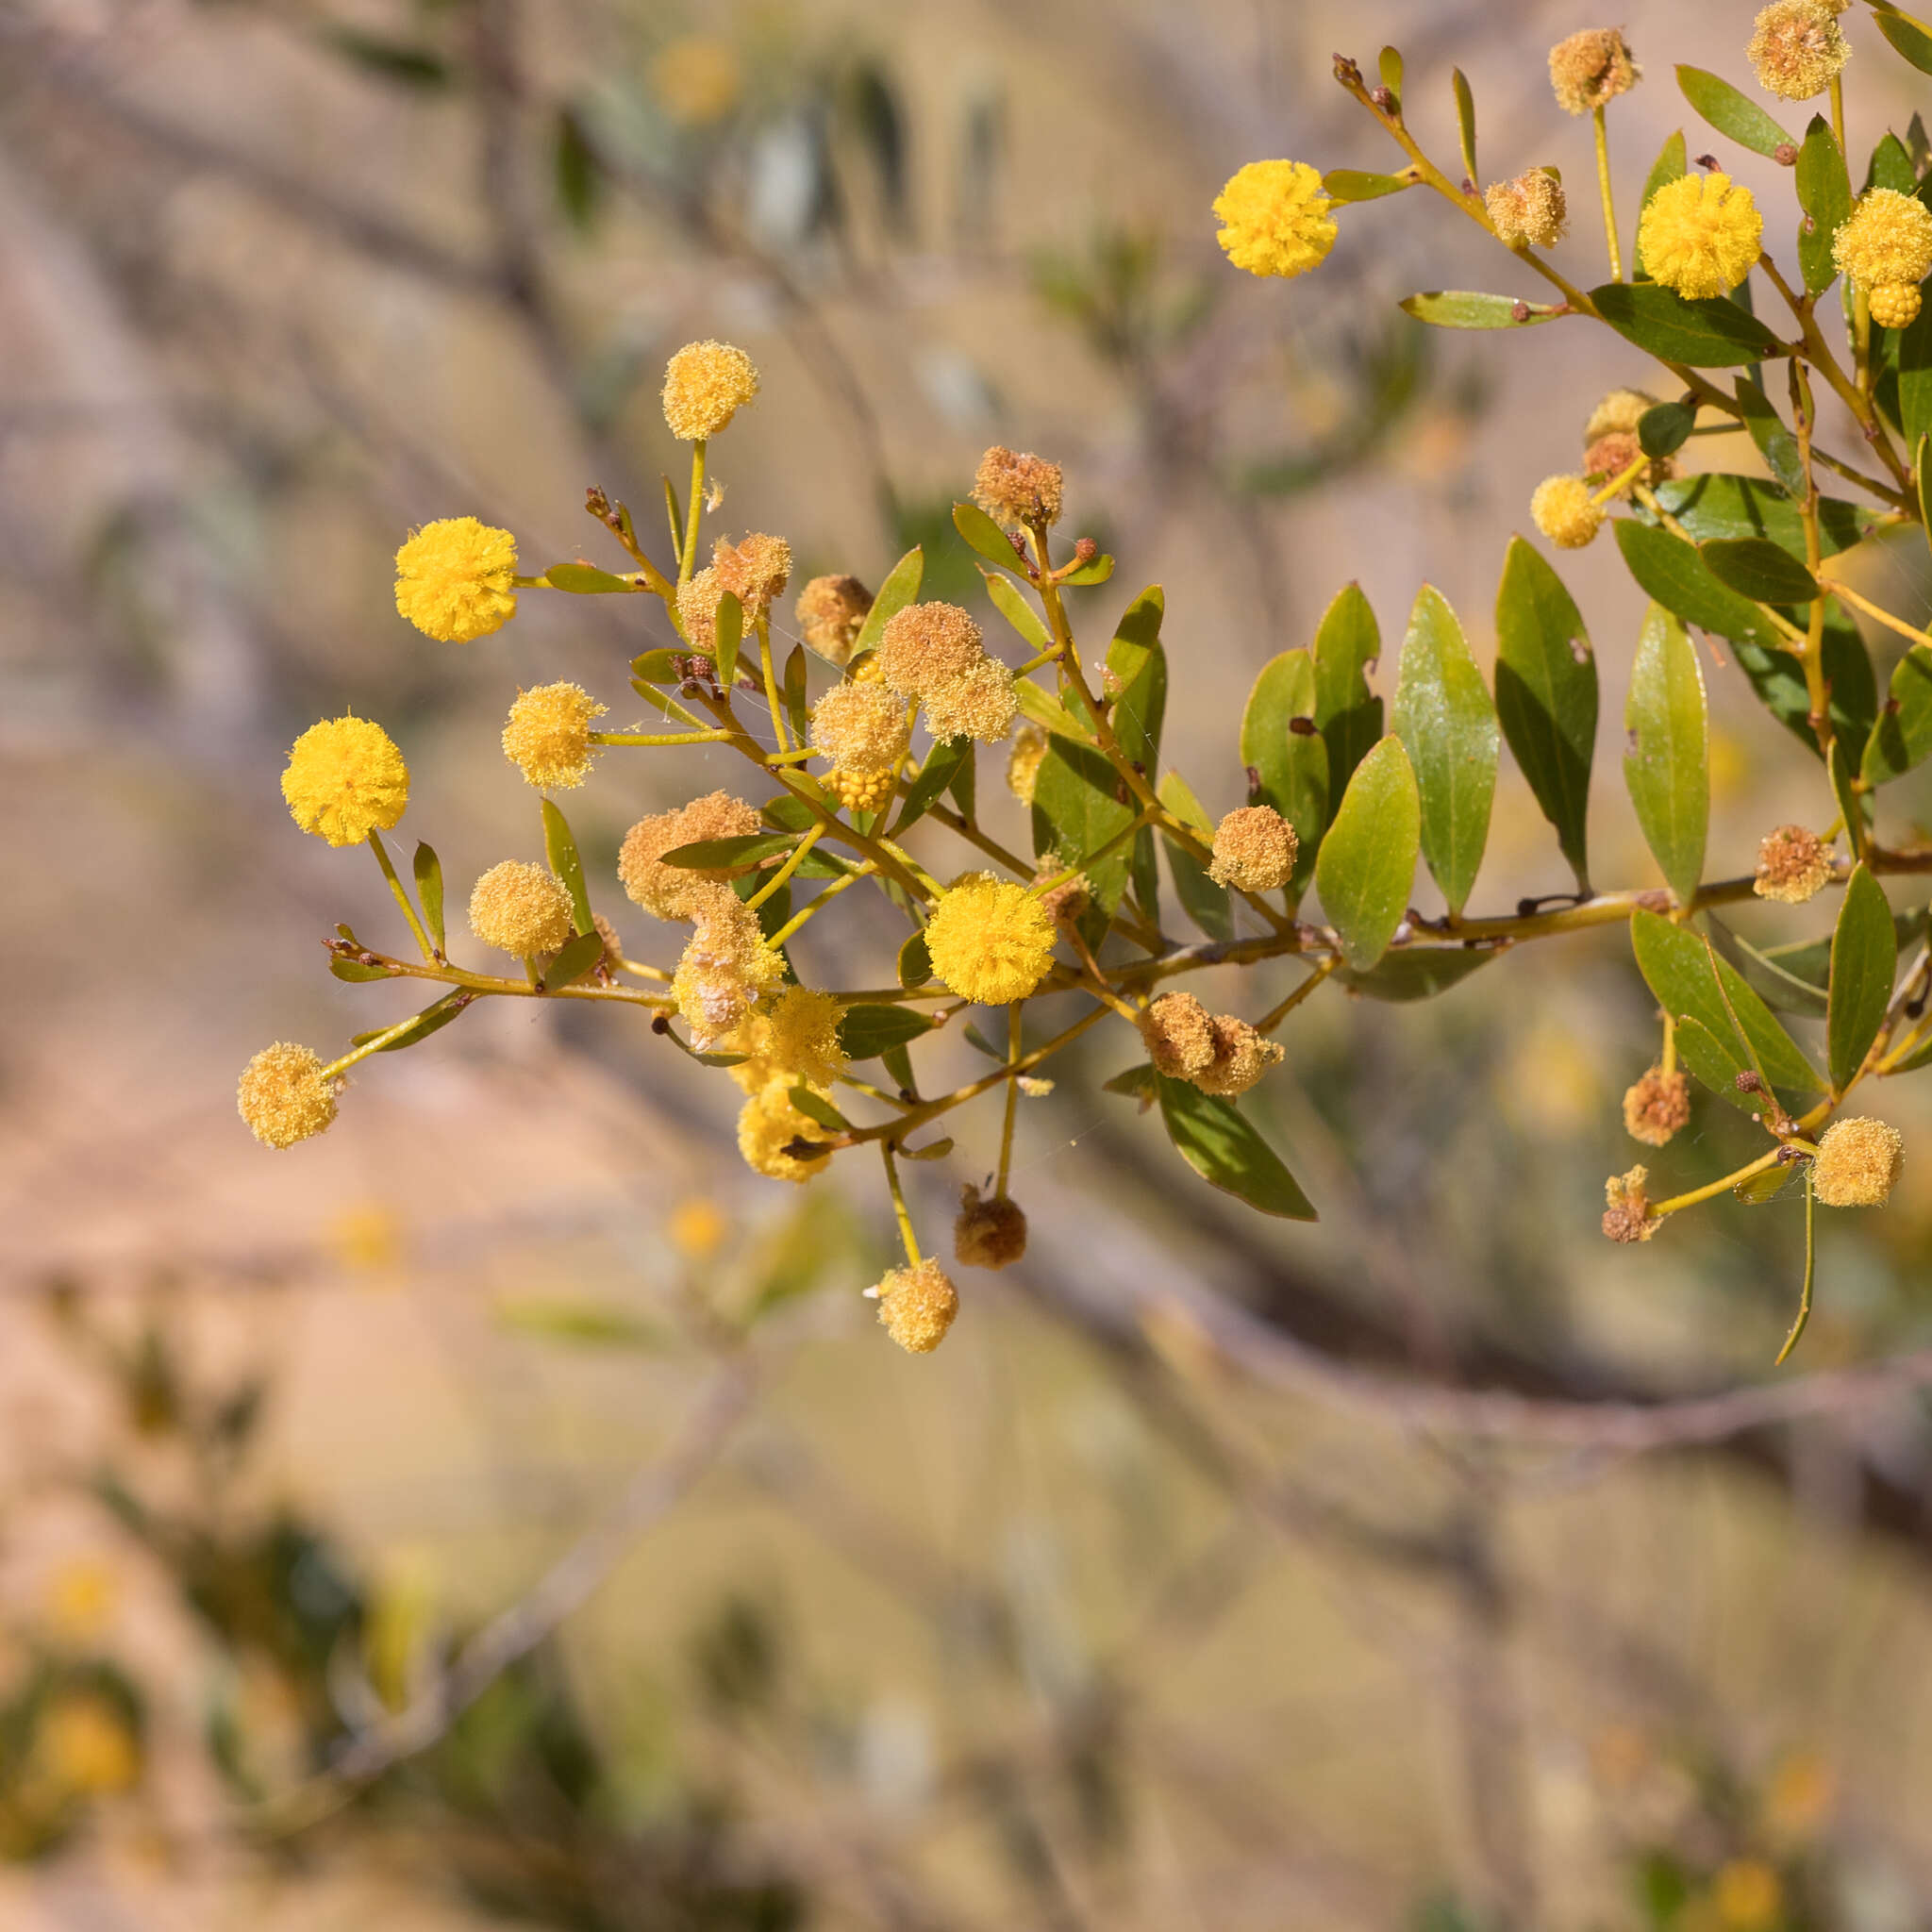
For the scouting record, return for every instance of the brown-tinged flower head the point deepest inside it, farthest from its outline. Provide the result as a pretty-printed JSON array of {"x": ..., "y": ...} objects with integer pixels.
[
  {"x": 345, "y": 778},
  {"x": 1067, "y": 892},
  {"x": 1797, "y": 48},
  {"x": 521, "y": 908},
  {"x": 1627, "y": 1209},
  {"x": 1701, "y": 235},
  {"x": 1886, "y": 239},
  {"x": 1564, "y": 510},
  {"x": 797, "y": 1038},
  {"x": 1857, "y": 1164},
  {"x": 674, "y": 891},
  {"x": 1024, "y": 761},
  {"x": 926, "y": 645},
  {"x": 705, "y": 384},
  {"x": 770, "y": 1127},
  {"x": 989, "y": 1233},
  {"x": 1895, "y": 305},
  {"x": 1611, "y": 455},
  {"x": 1179, "y": 1035},
  {"x": 1793, "y": 865},
  {"x": 1242, "y": 1056},
  {"x": 1529, "y": 209},
  {"x": 989, "y": 940},
  {"x": 1591, "y": 69},
  {"x": 980, "y": 705},
  {"x": 917, "y": 1305},
  {"x": 861, "y": 728},
  {"x": 755, "y": 571},
  {"x": 830, "y": 613},
  {"x": 697, "y": 609},
  {"x": 725, "y": 969},
  {"x": 615, "y": 954},
  {"x": 1254, "y": 850},
  {"x": 548, "y": 736},
  {"x": 1657, "y": 1106},
  {"x": 285, "y": 1095},
  {"x": 1622, "y": 410},
  {"x": 1016, "y": 487}
]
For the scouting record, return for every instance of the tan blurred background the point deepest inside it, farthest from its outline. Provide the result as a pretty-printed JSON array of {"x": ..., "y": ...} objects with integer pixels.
[{"x": 1218, "y": 1573}]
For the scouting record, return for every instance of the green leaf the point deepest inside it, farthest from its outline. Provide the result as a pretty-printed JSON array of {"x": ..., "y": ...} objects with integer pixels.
[
  {"x": 730, "y": 634},
  {"x": 1779, "y": 678},
  {"x": 1714, "y": 505},
  {"x": 1732, "y": 113},
  {"x": 789, "y": 814},
  {"x": 1716, "y": 1061},
  {"x": 1784, "y": 990},
  {"x": 1716, "y": 334},
  {"x": 1757, "y": 568},
  {"x": 657, "y": 667},
  {"x": 1139, "y": 1083},
  {"x": 1864, "y": 959},
  {"x": 867, "y": 1031},
  {"x": 792, "y": 685},
  {"x": 1408, "y": 973},
  {"x": 1903, "y": 736},
  {"x": 428, "y": 869},
  {"x": 1760, "y": 1188},
  {"x": 1850, "y": 799},
  {"x": 1774, "y": 440},
  {"x": 1293, "y": 763},
  {"x": 915, "y": 963},
  {"x": 565, "y": 861},
  {"x": 1671, "y": 572},
  {"x": 1465, "y": 122},
  {"x": 964, "y": 781},
  {"x": 941, "y": 766},
  {"x": 1207, "y": 903},
  {"x": 1890, "y": 166},
  {"x": 1139, "y": 665},
  {"x": 402, "y": 62},
  {"x": 1010, "y": 602},
  {"x": 586, "y": 580},
  {"x": 1347, "y": 713},
  {"x": 1685, "y": 975},
  {"x": 1467, "y": 308},
  {"x": 1077, "y": 810},
  {"x": 1664, "y": 430},
  {"x": 1088, "y": 575},
  {"x": 815, "y": 1107},
  {"x": 1447, "y": 724},
  {"x": 1667, "y": 764},
  {"x": 1389, "y": 64},
  {"x": 1547, "y": 696},
  {"x": 1908, "y": 38},
  {"x": 720, "y": 855},
  {"x": 900, "y": 589},
  {"x": 577, "y": 956},
  {"x": 1825, "y": 193},
  {"x": 1350, "y": 183},
  {"x": 1041, "y": 707},
  {"x": 898, "y": 1063},
  {"x": 355, "y": 972},
  {"x": 432, "y": 1019},
  {"x": 1915, "y": 385},
  {"x": 1367, "y": 866},
  {"x": 986, "y": 537},
  {"x": 1214, "y": 1139}
]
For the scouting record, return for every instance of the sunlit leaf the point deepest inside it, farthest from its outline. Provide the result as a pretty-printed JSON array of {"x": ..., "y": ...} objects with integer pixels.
[{"x": 1667, "y": 758}]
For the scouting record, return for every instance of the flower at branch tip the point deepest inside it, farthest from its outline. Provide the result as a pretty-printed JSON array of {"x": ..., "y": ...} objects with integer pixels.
[
  {"x": 927, "y": 645},
  {"x": 1700, "y": 235},
  {"x": 769, "y": 1126},
  {"x": 285, "y": 1095},
  {"x": 797, "y": 1039},
  {"x": 521, "y": 908},
  {"x": 989, "y": 1233},
  {"x": 725, "y": 969},
  {"x": 1529, "y": 209},
  {"x": 1793, "y": 865},
  {"x": 1276, "y": 219},
  {"x": 989, "y": 940},
  {"x": 453, "y": 579},
  {"x": 1591, "y": 69},
  {"x": 1886, "y": 240},
  {"x": 1017, "y": 487},
  {"x": 1748, "y": 1896},
  {"x": 1797, "y": 48},
  {"x": 1657, "y": 1106},
  {"x": 675, "y": 891},
  {"x": 1024, "y": 761},
  {"x": 980, "y": 703},
  {"x": 344, "y": 779},
  {"x": 548, "y": 736},
  {"x": 1895, "y": 305},
  {"x": 1255, "y": 849},
  {"x": 1563, "y": 508},
  {"x": 755, "y": 571},
  {"x": 861, "y": 728},
  {"x": 1857, "y": 1164},
  {"x": 917, "y": 1305},
  {"x": 830, "y": 613},
  {"x": 705, "y": 384},
  {"x": 1627, "y": 1210}
]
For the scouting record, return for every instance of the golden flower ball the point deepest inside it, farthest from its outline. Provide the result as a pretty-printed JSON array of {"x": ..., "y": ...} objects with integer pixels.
[
  {"x": 830, "y": 613},
  {"x": 1657, "y": 1106},
  {"x": 548, "y": 735},
  {"x": 861, "y": 728},
  {"x": 1564, "y": 510},
  {"x": 1700, "y": 235},
  {"x": 769, "y": 1126},
  {"x": 1254, "y": 850},
  {"x": 981, "y": 704},
  {"x": 286, "y": 1095},
  {"x": 1857, "y": 1164},
  {"x": 705, "y": 384},
  {"x": 1591, "y": 69},
  {"x": 1529, "y": 209},
  {"x": 989, "y": 940},
  {"x": 917, "y": 1305},
  {"x": 755, "y": 571},
  {"x": 1797, "y": 49},
  {"x": 1017, "y": 487},
  {"x": 521, "y": 908},
  {"x": 453, "y": 579},
  {"x": 927, "y": 645},
  {"x": 1895, "y": 305},
  {"x": 344, "y": 779},
  {"x": 1275, "y": 219},
  {"x": 1886, "y": 239},
  {"x": 797, "y": 1038},
  {"x": 1794, "y": 864},
  {"x": 674, "y": 891}
]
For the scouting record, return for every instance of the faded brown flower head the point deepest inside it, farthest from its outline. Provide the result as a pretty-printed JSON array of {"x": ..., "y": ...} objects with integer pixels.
[
  {"x": 1591, "y": 69},
  {"x": 521, "y": 908},
  {"x": 1179, "y": 1035},
  {"x": 1242, "y": 1056},
  {"x": 1793, "y": 865},
  {"x": 697, "y": 610},
  {"x": 1857, "y": 1164},
  {"x": 1024, "y": 761},
  {"x": 1255, "y": 849},
  {"x": 830, "y": 613},
  {"x": 1622, "y": 409},
  {"x": 861, "y": 728},
  {"x": 1016, "y": 487},
  {"x": 755, "y": 571},
  {"x": 917, "y": 1305},
  {"x": 981, "y": 704},
  {"x": 675, "y": 891},
  {"x": 284, "y": 1094},
  {"x": 1529, "y": 209},
  {"x": 1613, "y": 453},
  {"x": 1797, "y": 48},
  {"x": 613, "y": 944},
  {"x": 1067, "y": 898},
  {"x": 989, "y": 1233},
  {"x": 1657, "y": 1106},
  {"x": 1626, "y": 1212},
  {"x": 927, "y": 645}
]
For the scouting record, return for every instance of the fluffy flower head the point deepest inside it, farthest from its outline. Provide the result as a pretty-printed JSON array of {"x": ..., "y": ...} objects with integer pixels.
[
  {"x": 797, "y": 1039},
  {"x": 1886, "y": 237},
  {"x": 917, "y": 1305},
  {"x": 1218, "y": 1053},
  {"x": 769, "y": 1126},
  {"x": 1700, "y": 235},
  {"x": 453, "y": 579},
  {"x": 830, "y": 611},
  {"x": 1626, "y": 1207},
  {"x": 1255, "y": 849},
  {"x": 1017, "y": 487},
  {"x": 1562, "y": 510},
  {"x": 1793, "y": 865},
  {"x": 697, "y": 609},
  {"x": 927, "y": 645},
  {"x": 1797, "y": 48},
  {"x": 285, "y": 1096},
  {"x": 1657, "y": 1106},
  {"x": 675, "y": 891},
  {"x": 705, "y": 384},
  {"x": 521, "y": 908},
  {"x": 1857, "y": 1164},
  {"x": 755, "y": 571},
  {"x": 981, "y": 704},
  {"x": 548, "y": 736},
  {"x": 1619, "y": 412},
  {"x": 725, "y": 969},
  {"x": 1530, "y": 208},
  {"x": 1241, "y": 1056},
  {"x": 1591, "y": 69},
  {"x": 1023, "y": 763},
  {"x": 1275, "y": 219},
  {"x": 345, "y": 778},
  {"x": 989, "y": 1233},
  {"x": 990, "y": 940},
  {"x": 861, "y": 728}
]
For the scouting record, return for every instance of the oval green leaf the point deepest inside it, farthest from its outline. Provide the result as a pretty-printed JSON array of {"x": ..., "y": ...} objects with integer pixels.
[
  {"x": 1351, "y": 184},
  {"x": 1757, "y": 568},
  {"x": 1366, "y": 869},
  {"x": 1671, "y": 572},
  {"x": 1347, "y": 713},
  {"x": 1825, "y": 193},
  {"x": 573, "y": 960},
  {"x": 986, "y": 537},
  {"x": 1903, "y": 736},
  {"x": 867, "y": 1031},
  {"x": 900, "y": 589},
  {"x": 1708, "y": 335},
  {"x": 429, "y": 869},
  {"x": 1667, "y": 758},
  {"x": 1909, "y": 40},
  {"x": 1467, "y": 309},
  {"x": 1733, "y": 114},
  {"x": 941, "y": 766},
  {"x": 1214, "y": 1139},
  {"x": 586, "y": 580},
  {"x": 560, "y": 848},
  {"x": 719, "y": 855},
  {"x": 1664, "y": 430},
  {"x": 1864, "y": 959},
  {"x": 915, "y": 963},
  {"x": 1282, "y": 743},
  {"x": 730, "y": 634}
]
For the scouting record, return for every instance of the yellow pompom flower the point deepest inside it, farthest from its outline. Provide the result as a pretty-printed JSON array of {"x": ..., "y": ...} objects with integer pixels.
[
  {"x": 1886, "y": 239},
  {"x": 769, "y": 1127},
  {"x": 1276, "y": 218},
  {"x": 1700, "y": 235},
  {"x": 286, "y": 1095},
  {"x": 990, "y": 940},
  {"x": 521, "y": 908},
  {"x": 917, "y": 1305},
  {"x": 798, "y": 1040},
  {"x": 345, "y": 778},
  {"x": 1857, "y": 1164},
  {"x": 861, "y": 728},
  {"x": 453, "y": 579},
  {"x": 1591, "y": 69},
  {"x": 705, "y": 384},
  {"x": 1563, "y": 509},
  {"x": 548, "y": 736},
  {"x": 981, "y": 705}
]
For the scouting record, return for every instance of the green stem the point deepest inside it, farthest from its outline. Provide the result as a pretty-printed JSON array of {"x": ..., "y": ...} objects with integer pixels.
[
  {"x": 662, "y": 736},
  {"x": 785, "y": 871},
  {"x": 1603, "y": 186}
]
